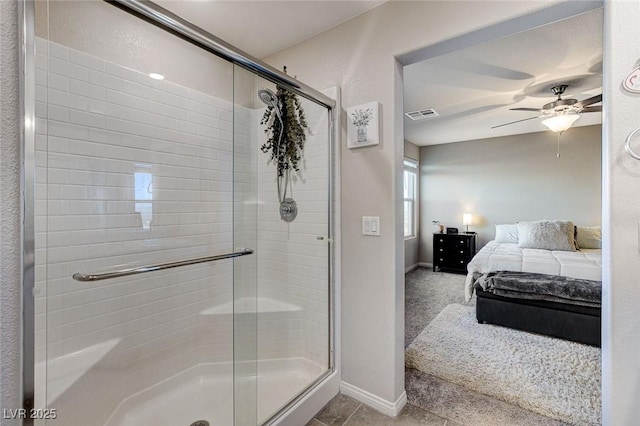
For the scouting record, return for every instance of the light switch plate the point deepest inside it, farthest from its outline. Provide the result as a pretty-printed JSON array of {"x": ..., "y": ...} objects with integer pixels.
[{"x": 371, "y": 225}]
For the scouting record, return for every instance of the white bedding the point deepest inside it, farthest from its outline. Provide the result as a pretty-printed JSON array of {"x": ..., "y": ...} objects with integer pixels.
[{"x": 585, "y": 263}]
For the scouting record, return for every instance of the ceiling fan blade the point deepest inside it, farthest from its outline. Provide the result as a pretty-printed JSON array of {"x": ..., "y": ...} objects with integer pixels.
[
  {"x": 525, "y": 109},
  {"x": 513, "y": 122},
  {"x": 589, "y": 101},
  {"x": 592, "y": 109}
]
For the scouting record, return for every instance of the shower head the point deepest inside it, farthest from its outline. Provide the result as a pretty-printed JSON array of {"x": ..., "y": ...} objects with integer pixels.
[
  {"x": 268, "y": 97},
  {"x": 271, "y": 100}
]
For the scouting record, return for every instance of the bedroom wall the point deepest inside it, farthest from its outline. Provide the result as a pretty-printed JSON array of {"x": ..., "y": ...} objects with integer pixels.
[
  {"x": 412, "y": 245},
  {"x": 510, "y": 179}
]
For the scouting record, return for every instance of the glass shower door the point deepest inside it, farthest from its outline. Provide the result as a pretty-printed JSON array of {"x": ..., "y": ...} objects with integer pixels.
[
  {"x": 149, "y": 164},
  {"x": 133, "y": 171},
  {"x": 284, "y": 342}
]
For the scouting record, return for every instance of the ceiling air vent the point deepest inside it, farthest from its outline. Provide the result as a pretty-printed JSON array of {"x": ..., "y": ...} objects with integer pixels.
[{"x": 422, "y": 114}]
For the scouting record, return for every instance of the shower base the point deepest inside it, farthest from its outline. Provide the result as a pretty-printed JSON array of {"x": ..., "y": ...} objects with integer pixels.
[{"x": 205, "y": 392}]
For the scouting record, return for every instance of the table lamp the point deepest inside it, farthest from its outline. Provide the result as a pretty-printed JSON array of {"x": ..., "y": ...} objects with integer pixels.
[{"x": 467, "y": 218}]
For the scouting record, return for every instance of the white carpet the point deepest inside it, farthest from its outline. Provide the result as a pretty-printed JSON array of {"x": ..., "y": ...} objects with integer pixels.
[{"x": 553, "y": 377}]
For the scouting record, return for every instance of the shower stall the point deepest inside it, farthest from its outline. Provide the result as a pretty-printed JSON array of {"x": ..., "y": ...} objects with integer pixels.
[{"x": 167, "y": 282}]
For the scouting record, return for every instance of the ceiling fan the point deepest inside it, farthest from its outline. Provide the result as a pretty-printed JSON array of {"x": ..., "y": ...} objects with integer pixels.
[{"x": 560, "y": 114}]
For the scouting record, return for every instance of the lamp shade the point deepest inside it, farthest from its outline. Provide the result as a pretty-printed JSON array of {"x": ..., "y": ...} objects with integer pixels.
[
  {"x": 561, "y": 122},
  {"x": 467, "y": 218}
]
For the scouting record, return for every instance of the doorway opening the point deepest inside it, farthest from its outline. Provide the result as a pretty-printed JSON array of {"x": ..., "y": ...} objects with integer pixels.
[{"x": 489, "y": 178}]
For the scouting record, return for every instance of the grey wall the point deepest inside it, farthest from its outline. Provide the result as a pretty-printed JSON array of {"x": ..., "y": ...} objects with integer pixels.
[
  {"x": 99, "y": 29},
  {"x": 510, "y": 179},
  {"x": 10, "y": 244},
  {"x": 360, "y": 57},
  {"x": 412, "y": 245}
]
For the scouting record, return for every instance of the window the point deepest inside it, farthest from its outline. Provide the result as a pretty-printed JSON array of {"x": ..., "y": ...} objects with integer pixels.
[
  {"x": 410, "y": 195},
  {"x": 143, "y": 195}
]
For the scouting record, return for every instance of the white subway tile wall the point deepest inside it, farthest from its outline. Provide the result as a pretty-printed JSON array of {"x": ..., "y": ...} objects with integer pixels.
[
  {"x": 132, "y": 171},
  {"x": 293, "y": 262}
]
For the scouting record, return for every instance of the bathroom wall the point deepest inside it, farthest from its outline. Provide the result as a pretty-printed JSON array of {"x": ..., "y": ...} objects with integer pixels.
[
  {"x": 10, "y": 213},
  {"x": 99, "y": 28},
  {"x": 360, "y": 57},
  {"x": 621, "y": 215}
]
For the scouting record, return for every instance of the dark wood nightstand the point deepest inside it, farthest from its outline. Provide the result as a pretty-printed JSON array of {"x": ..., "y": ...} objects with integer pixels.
[{"x": 452, "y": 252}]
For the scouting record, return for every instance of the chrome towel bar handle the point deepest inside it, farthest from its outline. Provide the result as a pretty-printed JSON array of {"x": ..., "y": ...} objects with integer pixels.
[
  {"x": 159, "y": 267},
  {"x": 327, "y": 239}
]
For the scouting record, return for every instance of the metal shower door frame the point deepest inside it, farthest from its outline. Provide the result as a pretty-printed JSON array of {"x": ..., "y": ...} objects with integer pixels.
[
  {"x": 165, "y": 19},
  {"x": 27, "y": 117}
]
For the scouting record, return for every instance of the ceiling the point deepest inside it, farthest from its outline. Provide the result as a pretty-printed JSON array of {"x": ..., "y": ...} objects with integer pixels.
[
  {"x": 262, "y": 28},
  {"x": 473, "y": 89}
]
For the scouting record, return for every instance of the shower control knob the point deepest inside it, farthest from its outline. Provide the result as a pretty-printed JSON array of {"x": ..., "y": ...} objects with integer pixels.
[{"x": 288, "y": 210}]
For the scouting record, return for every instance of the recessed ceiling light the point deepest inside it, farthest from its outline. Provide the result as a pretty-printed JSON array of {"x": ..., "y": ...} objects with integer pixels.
[{"x": 156, "y": 76}]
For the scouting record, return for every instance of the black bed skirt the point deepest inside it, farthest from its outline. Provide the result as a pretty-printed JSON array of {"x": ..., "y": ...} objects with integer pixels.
[{"x": 577, "y": 323}]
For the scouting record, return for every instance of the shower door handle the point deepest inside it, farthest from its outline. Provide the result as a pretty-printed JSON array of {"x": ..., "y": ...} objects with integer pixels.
[{"x": 159, "y": 267}]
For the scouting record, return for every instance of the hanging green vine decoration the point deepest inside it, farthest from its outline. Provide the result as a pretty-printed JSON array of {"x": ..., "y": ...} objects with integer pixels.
[{"x": 286, "y": 151}]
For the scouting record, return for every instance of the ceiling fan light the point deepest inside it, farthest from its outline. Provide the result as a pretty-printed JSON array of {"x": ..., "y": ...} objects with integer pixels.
[{"x": 560, "y": 123}]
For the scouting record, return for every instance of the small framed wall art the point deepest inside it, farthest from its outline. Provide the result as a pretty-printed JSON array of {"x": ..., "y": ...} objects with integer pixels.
[{"x": 363, "y": 128}]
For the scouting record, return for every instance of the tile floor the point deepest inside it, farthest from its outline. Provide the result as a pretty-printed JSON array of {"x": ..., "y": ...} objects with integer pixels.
[{"x": 344, "y": 410}]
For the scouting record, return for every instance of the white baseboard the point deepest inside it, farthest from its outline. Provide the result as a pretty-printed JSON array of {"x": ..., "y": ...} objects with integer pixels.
[
  {"x": 416, "y": 265},
  {"x": 373, "y": 401},
  {"x": 411, "y": 267}
]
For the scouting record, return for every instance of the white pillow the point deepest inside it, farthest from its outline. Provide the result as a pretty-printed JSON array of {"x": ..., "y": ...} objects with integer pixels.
[
  {"x": 507, "y": 234},
  {"x": 589, "y": 237},
  {"x": 547, "y": 235}
]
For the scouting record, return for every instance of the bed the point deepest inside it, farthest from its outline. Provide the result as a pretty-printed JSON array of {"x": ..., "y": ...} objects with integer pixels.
[
  {"x": 568, "y": 317},
  {"x": 495, "y": 256}
]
